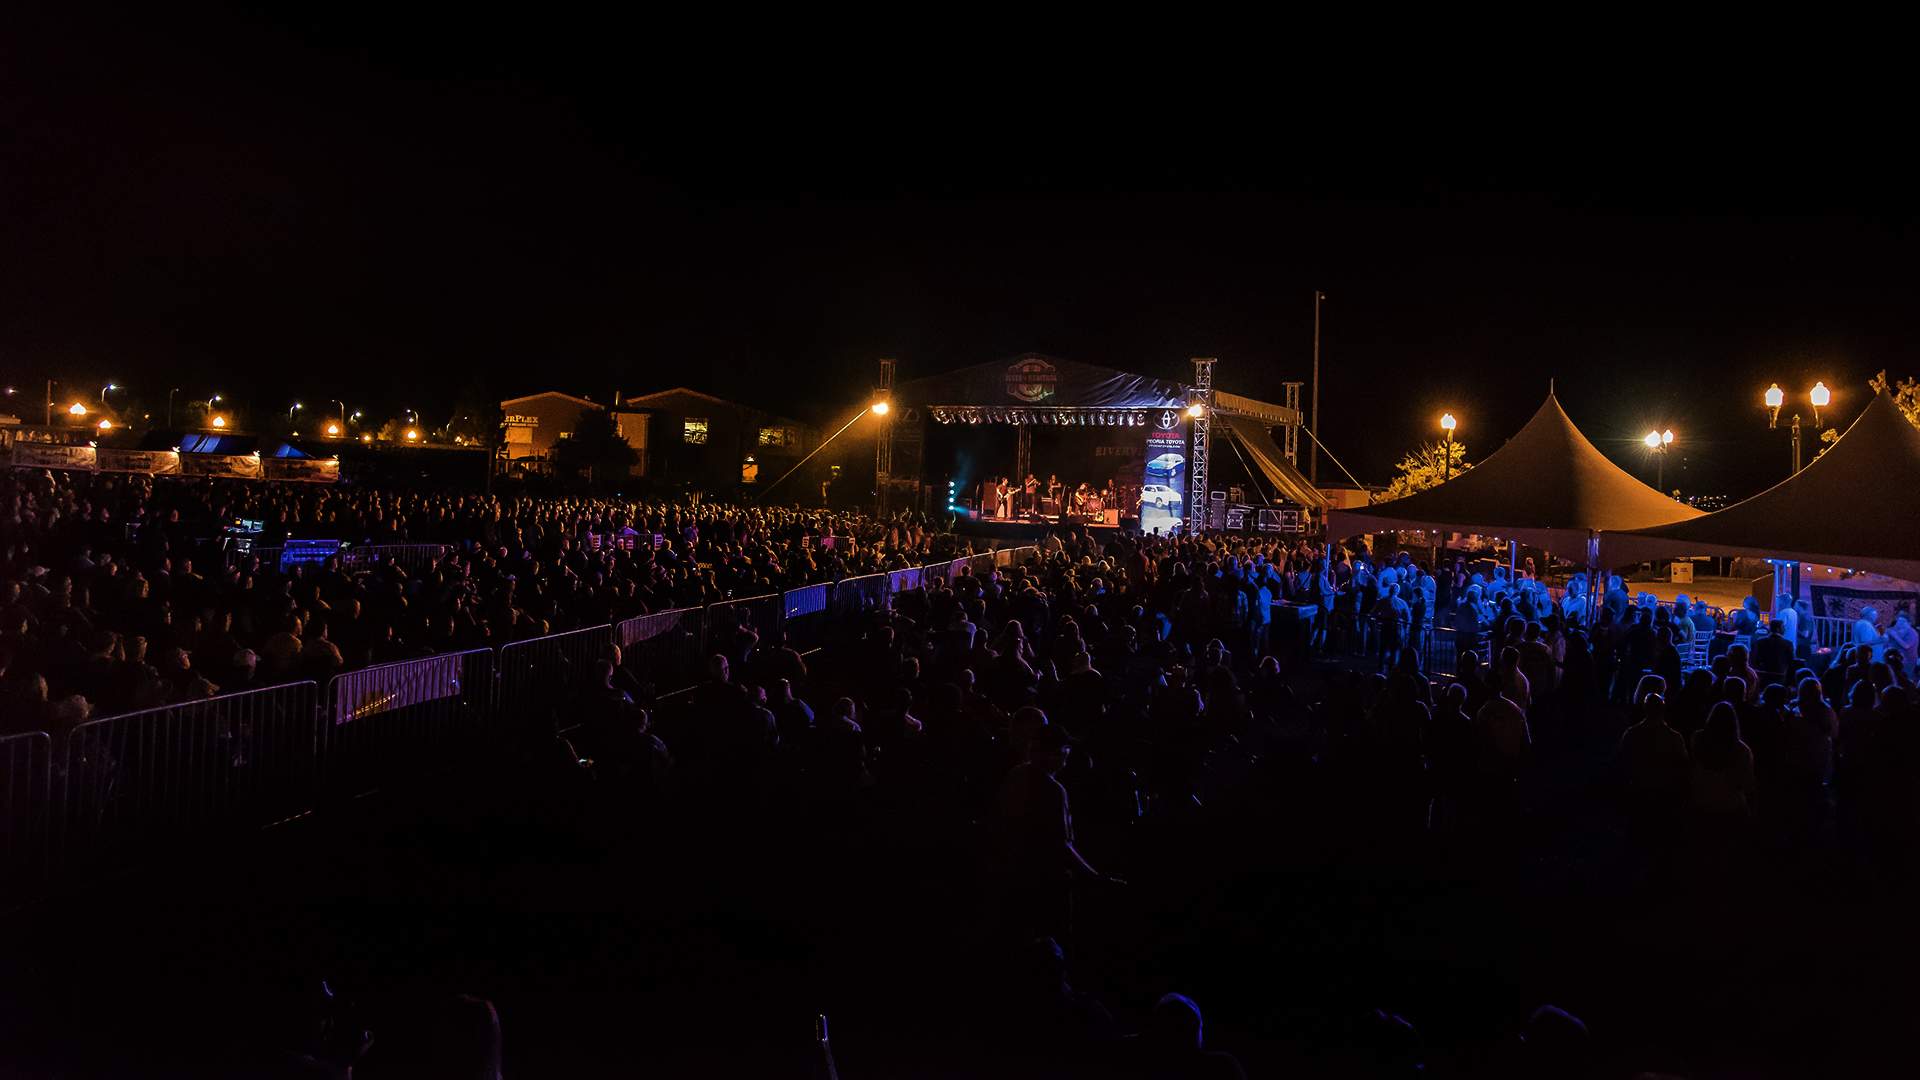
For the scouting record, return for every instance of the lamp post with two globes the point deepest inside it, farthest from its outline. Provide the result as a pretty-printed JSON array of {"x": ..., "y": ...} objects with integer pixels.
[
  {"x": 1819, "y": 397},
  {"x": 1659, "y": 442}
]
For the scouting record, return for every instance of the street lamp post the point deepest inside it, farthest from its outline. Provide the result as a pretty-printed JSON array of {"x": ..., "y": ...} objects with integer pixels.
[
  {"x": 103, "y": 393},
  {"x": 1447, "y": 424},
  {"x": 1819, "y": 397},
  {"x": 343, "y": 412},
  {"x": 1660, "y": 442},
  {"x": 170, "y": 394}
]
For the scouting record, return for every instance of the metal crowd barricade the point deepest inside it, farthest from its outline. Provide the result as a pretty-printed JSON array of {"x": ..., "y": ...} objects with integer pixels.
[
  {"x": 805, "y": 614},
  {"x": 234, "y": 761},
  {"x": 26, "y": 811},
  {"x": 413, "y": 558},
  {"x": 855, "y": 596},
  {"x": 1832, "y": 633},
  {"x": 762, "y": 613},
  {"x": 541, "y": 680},
  {"x": 393, "y": 721},
  {"x": 907, "y": 580},
  {"x": 666, "y": 648}
]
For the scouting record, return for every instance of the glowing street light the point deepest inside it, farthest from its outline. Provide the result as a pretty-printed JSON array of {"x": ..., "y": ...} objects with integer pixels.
[
  {"x": 333, "y": 430},
  {"x": 412, "y": 434},
  {"x": 103, "y": 393},
  {"x": 1659, "y": 443},
  {"x": 219, "y": 421},
  {"x": 366, "y": 438},
  {"x": 881, "y": 408},
  {"x": 1447, "y": 424},
  {"x": 76, "y": 409},
  {"x": 1775, "y": 397},
  {"x": 1821, "y": 398},
  {"x": 106, "y": 425}
]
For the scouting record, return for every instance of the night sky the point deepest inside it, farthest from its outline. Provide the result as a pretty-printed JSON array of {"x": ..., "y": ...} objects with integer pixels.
[{"x": 429, "y": 212}]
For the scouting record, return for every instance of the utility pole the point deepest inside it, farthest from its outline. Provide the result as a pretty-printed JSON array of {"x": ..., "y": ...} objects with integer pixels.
[{"x": 1313, "y": 422}]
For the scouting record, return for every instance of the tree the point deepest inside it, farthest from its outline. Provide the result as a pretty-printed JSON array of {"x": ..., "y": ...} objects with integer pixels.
[
  {"x": 595, "y": 447},
  {"x": 1425, "y": 467}
]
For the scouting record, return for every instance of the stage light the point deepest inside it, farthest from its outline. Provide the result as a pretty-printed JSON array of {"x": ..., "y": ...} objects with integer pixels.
[
  {"x": 881, "y": 408},
  {"x": 1196, "y": 410}
]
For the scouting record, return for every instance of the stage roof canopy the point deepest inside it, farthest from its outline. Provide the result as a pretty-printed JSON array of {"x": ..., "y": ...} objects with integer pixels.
[
  {"x": 1033, "y": 381},
  {"x": 1548, "y": 487},
  {"x": 1857, "y": 506},
  {"x": 1252, "y": 434}
]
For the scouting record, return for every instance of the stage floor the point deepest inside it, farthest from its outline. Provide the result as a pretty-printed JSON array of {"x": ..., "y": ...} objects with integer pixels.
[{"x": 1032, "y": 528}]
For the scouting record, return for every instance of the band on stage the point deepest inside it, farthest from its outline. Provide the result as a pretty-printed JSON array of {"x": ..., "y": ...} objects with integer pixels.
[{"x": 1000, "y": 497}]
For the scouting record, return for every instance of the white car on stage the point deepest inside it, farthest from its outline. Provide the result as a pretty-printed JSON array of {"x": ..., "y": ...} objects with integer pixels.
[{"x": 1159, "y": 496}]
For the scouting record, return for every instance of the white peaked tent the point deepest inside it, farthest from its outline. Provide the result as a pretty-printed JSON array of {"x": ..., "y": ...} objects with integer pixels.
[
  {"x": 1548, "y": 487},
  {"x": 1857, "y": 506}
]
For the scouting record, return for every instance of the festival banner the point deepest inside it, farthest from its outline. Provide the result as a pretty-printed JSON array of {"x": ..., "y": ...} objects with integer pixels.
[
  {"x": 242, "y": 466},
  {"x": 152, "y": 462},
  {"x": 28, "y": 455},
  {"x": 311, "y": 470},
  {"x": 1164, "y": 479}
]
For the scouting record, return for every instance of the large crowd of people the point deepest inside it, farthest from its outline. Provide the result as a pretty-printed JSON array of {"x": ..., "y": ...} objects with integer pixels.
[
  {"x": 1110, "y": 682},
  {"x": 119, "y": 593}
]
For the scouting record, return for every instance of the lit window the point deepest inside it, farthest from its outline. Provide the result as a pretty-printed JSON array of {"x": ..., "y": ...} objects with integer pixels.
[
  {"x": 776, "y": 436},
  {"x": 694, "y": 430}
]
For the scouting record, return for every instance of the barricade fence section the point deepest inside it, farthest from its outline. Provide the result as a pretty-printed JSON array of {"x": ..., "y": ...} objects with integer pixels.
[
  {"x": 542, "y": 679},
  {"x": 26, "y": 811},
  {"x": 853, "y": 597},
  {"x": 234, "y": 761},
  {"x": 665, "y": 650},
  {"x": 805, "y": 615},
  {"x": 384, "y": 724},
  {"x": 762, "y": 614}
]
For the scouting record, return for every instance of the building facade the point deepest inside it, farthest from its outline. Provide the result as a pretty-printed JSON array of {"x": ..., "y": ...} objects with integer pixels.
[
  {"x": 708, "y": 443},
  {"x": 536, "y": 422},
  {"x": 684, "y": 439}
]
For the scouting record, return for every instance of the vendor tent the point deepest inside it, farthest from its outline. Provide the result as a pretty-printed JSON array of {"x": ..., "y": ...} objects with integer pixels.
[
  {"x": 1253, "y": 436},
  {"x": 1857, "y": 506},
  {"x": 1548, "y": 487}
]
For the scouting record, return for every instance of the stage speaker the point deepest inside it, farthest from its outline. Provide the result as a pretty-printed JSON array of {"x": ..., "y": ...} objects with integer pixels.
[{"x": 1217, "y": 510}]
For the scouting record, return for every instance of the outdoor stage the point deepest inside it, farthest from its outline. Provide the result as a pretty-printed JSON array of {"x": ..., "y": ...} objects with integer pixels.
[{"x": 957, "y": 440}]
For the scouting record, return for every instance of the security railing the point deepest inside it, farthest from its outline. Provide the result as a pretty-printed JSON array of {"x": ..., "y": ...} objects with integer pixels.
[
  {"x": 241, "y": 760},
  {"x": 26, "y": 813},
  {"x": 541, "y": 679},
  {"x": 665, "y": 650},
  {"x": 384, "y": 724}
]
